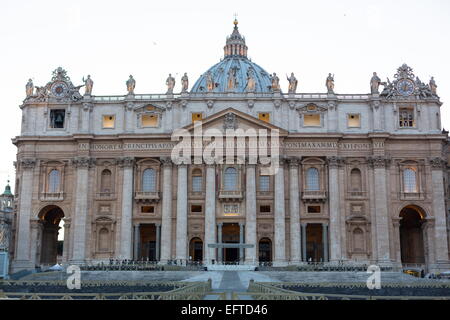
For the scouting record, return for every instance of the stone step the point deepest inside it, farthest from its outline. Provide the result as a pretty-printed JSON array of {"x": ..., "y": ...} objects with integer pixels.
[{"x": 230, "y": 267}]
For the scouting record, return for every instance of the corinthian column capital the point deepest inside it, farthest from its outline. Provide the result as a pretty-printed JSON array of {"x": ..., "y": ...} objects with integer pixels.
[
  {"x": 379, "y": 161},
  {"x": 83, "y": 162},
  {"x": 437, "y": 163},
  {"x": 28, "y": 163},
  {"x": 126, "y": 162}
]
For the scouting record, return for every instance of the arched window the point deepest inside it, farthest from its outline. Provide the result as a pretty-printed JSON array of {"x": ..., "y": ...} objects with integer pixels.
[
  {"x": 149, "y": 180},
  {"x": 312, "y": 179},
  {"x": 355, "y": 180},
  {"x": 53, "y": 181},
  {"x": 230, "y": 179},
  {"x": 106, "y": 183},
  {"x": 409, "y": 180},
  {"x": 197, "y": 180}
]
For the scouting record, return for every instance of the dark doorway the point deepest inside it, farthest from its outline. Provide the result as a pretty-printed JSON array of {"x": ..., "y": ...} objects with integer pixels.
[
  {"x": 265, "y": 250},
  {"x": 411, "y": 235},
  {"x": 148, "y": 242},
  {"x": 196, "y": 249},
  {"x": 230, "y": 234},
  {"x": 314, "y": 242},
  {"x": 51, "y": 247}
]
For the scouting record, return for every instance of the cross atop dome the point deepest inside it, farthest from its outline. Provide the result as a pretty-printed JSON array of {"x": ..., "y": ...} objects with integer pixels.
[{"x": 235, "y": 45}]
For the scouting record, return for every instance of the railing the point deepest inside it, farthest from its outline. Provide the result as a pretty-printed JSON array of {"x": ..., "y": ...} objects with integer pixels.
[
  {"x": 237, "y": 95},
  {"x": 272, "y": 291},
  {"x": 52, "y": 196},
  {"x": 314, "y": 195},
  {"x": 142, "y": 195},
  {"x": 191, "y": 291},
  {"x": 223, "y": 194},
  {"x": 411, "y": 195}
]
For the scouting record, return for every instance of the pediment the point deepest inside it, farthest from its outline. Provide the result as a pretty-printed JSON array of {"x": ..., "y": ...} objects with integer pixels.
[{"x": 233, "y": 119}]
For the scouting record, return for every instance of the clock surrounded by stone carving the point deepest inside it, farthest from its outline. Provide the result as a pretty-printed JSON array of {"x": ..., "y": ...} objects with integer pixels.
[
  {"x": 59, "y": 89},
  {"x": 405, "y": 87}
]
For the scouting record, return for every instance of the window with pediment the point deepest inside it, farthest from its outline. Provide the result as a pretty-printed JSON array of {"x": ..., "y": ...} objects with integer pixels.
[
  {"x": 54, "y": 181},
  {"x": 409, "y": 180},
  {"x": 312, "y": 179},
  {"x": 149, "y": 180}
]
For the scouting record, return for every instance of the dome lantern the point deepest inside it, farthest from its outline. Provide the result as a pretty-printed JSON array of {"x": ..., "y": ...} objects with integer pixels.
[{"x": 235, "y": 45}]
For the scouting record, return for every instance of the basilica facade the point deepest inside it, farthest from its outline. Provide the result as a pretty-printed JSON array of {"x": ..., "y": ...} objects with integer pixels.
[{"x": 360, "y": 179}]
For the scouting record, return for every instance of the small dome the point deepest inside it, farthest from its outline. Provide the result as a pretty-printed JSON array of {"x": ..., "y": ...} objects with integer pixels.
[{"x": 232, "y": 73}]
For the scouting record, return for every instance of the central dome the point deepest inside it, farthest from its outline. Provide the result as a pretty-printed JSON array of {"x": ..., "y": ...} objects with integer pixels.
[{"x": 234, "y": 72}]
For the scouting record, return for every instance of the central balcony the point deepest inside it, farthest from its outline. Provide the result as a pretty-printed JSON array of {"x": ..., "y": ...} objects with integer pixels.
[
  {"x": 52, "y": 196},
  {"x": 230, "y": 195},
  {"x": 314, "y": 196},
  {"x": 145, "y": 196}
]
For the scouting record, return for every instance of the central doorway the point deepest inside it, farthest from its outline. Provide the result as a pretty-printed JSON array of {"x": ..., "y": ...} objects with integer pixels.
[
  {"x": 148, "y": 242},
  {"x": 411, "y": 235},
  {"x": 314, "y": 242},
  {"x": 265, "y": 250},
  {"x": 230, "y": 234},
  {"x": 196, "y": 249}
]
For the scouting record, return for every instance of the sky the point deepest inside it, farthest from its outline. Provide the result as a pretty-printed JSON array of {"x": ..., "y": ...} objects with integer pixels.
[{"x": 110, "y": 40}]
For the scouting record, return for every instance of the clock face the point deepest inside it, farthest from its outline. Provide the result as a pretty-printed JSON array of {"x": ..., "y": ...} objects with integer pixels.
[
  {"x": 59, "y": 89},
  {"x": 405, "y": 87}
]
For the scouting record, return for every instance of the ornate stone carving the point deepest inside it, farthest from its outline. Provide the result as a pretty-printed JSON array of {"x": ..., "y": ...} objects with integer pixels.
[
  {"x": 335, "y": 162},
  {"x": 88, "y": 85},
  {"x": 292, "y": 83},
  {"x": 251, "y": 83},
  {"x": 232, "y": 81},
  {"x": 405, "y": 85},
  {"x": 375, "y": 84},
  {"x": 5, "y": 233},
  {"x": 131, "y": 85},
  {"x": 329, "y": 83},
  {"x": 126, "y": 162},
  {"x": 277, "y": 103},
  {"x": 29, "y": 88},
  {"x": 437, "y": 163},
  {"x": 433, "y": 86},
  {"x": 275, "y": 82},
  {"x": 83, "y": 162},
  {"x": 28, "y": 163},
  {"x": 88, "y": 106},
  {"x": 170, "y": 82},
  {"x": 210, "y": 103},
  {"x": 251, "y": 103},
  {"x": 166, "y": 161},
  {"x": 293, "y": 161},
  {"x": 230, "y": 121},
  {"x": 379, "y": 161},
  {"x": 184, "y": 83},
  {"x": 209, "y": 82}
]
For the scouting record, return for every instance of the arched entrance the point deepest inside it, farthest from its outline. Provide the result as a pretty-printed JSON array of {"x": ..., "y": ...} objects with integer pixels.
[
  {"x": 411, "y": 235},
  {"x": 265, "y": 250},
  {"x": 196, "y": 249},
  {"x": 51, "y": 243}
]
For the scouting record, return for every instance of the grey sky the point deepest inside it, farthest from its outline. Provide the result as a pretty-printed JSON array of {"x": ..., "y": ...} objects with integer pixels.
[{"x": 150, "y": 39}]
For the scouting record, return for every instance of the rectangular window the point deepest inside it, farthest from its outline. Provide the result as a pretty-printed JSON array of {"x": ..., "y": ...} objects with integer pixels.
[
  {"x": 264, "y": 116},
  {"x": 197, "y": 116},
  {"x": 57, "y": 117},
  {"x": 406, "y": 118},
  {"x": 311, "y": 120},
  {"x": 264, "y": 209},
  {"x": 148, "y": 209},
  {"x": 109, "y": 122},
  {"x": 264, "y": 183},
  {"x": 197, "y": 183},
  {"x": 149, "y": 121},
  {"x": 313, "y": 209},
  {"x": 353, "y": 121},
  {"x": 195, "y": 208}
]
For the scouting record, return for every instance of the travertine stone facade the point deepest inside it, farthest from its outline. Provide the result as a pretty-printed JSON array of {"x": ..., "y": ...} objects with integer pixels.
[{"x": 360, "y": 178}]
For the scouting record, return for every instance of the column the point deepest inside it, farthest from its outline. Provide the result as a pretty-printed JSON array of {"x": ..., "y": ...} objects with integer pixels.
[
  {"x": 210, "y": 213},
  {"x": 166, "y": 221},
  {"x": 22, "y": 255},
  {"x": 36, "y": 240},
  {"x": 137, "y": 238},
  {"x": 85, "y": 117},
  {"x": 158, "y": 241},
  {"x": 82, "y": 165},
  {"x": 241, "y": 241},
  {"x": 181, "y": 244},
  {"x": 126, "y": 229},
  {"x": 66, "y": 244},
  {"x": 250, "y": 214},
  {"x": 280, "y": 223},
  {"x": 379, "y": 164},
  {"x": 219, "y": 240},
  {"x": 439, "y": 212},
  {"x": 325, "y": 242},
  {"x": 294, "y": 212},
  {"x": 333, "y": 187},
  {"x": 304, "y": 243}
]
